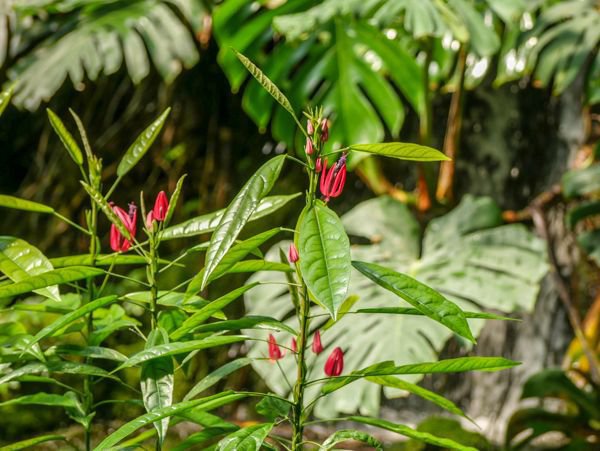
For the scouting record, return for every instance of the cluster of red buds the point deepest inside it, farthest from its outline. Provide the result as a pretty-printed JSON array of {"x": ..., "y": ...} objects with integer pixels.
[
  {"x": 334, "y": 364},
  {"x": 119, "y": 243},
  {"x": 331, "y": 181}
]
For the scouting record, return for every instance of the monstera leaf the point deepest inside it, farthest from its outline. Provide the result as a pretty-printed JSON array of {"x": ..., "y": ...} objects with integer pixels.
[{"x": 467, "y": 255}]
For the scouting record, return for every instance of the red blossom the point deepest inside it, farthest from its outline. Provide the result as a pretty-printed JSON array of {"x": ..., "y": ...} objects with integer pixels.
[
  {"x": 118, "y": 242},
  {"x": 317, "y": 347},
  {"x": 335, "y": 362},
  {"x": 161, "y": 205},
  {"x": 333, "y": 180},
  {"x": 275, "y": 352}
]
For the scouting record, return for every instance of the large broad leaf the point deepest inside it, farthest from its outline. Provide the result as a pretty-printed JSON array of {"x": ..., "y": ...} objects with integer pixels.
[
  {"x": 204, "y": 404},
  {"x": 324, "y": 251},
  {"x": 467, "y": 255},
  {"x": 93, "y": 38},
  {"x": 156, "y": 382},
  {"x": 19, "y": 261},
  {"x": 249, "y": 438},
  {"x": 239, "y": 211}
]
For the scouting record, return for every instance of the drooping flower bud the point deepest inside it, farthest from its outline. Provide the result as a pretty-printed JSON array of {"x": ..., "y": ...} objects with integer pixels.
[
  {"x": 118, "y": 243},
  {"x": 332, "y": 181},
  {"x": 309, "y": 147},
  {"x": 161, "y": 205},
  {"x": 310, "y": 129},
  {"x": 293, "y": 256},
  {"x": 335, "y": 362},
  {"x": 324, "y": 130},
  {"x": 317, "y": 347},
  {"x": 294, "y": 345},
  {"x": 318, "y": 165},
  {"x": 274, "y": 349}
]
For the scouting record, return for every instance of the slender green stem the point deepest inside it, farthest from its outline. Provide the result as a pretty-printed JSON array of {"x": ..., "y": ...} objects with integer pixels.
[
  {"x": 297, "y": 160},
  {"x": 113, "y": 187},
  {"x": 71, "y": 223}
]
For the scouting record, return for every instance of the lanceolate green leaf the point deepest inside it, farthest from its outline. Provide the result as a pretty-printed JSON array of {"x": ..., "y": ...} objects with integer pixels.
[
  {"x": 99, "y": 260},
  {"x": 259, "y": 265},
  {"x": 207, "y": 311},
  {"x": 247, "y": 322},
  {"x": 47, "y": 279},
  {"x": 20, "y": 261},
  {"x": 324, "y": 251},
  {"x": 402, "y": 151},
  {"x": 30, "y": 443},
  {"x": 94, "y": 352},
  {"x": 209, "y": 222},
  {"x": 70, "y": 317},
  {"x": 250, "y": 438},
  {"x": 99, "y": 199},
  {"x": 411, "y": 433},
  {"x": 205, "y": 404},
  {"x": 156, "y": 382},
  {"x": 42, "y": 399},
  {"x": 56, "y": 367},
  {"x": 458, "y": 365},
  {"x": 211, "y": 379},
  {"x": 66, "y": 137},
  {"x": 345, "y": 435},
  {"x": 170, "y": 349},
  {"x": 239, "y": 212},
  {"x": 141, "y": 145},
  {"x": 268, "y": 85},
  {"x": 425, "y": 299},
  {"x": 22, "y": 204},
  {"x": 5, "y": 97},
  {"x": 174, "y": 198},
  {"x": 414, "y": 311}
]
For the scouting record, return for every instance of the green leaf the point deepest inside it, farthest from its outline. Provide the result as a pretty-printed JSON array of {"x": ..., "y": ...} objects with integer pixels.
[
  {"x": 324, "y": 251},
  {"x": 458, "y": 365},
  {"x": 344, "y": 435},
  {"x": 207, "y": 311},
  {"x": 5, "y": 97},
  {"x": 268, "y": 85},
  {"x": 170, "y": 349},
  {"x": 99, "y": 260},
  {"x": 93, "y": 352},
  {"x": 22, "y": 204},
  {"x": 273, "y": 407},
  {"x": 247, "y": 322},
  {"x": 205, "y": 404},
  {"x": 56, "y": 367},
  {"x": 19, "y": 261},
  {"x": 239, "y": 212},
  {"x": 212, "y": 378},
  {"x": 411, "y": 433},
  {"x": 581, "y": 181},
  {"x": 174, "y": 198},
  {"x": 73, "y": 316},
  {"x": 156, "y": 382},
  {"x": 209, "y": 222},
  {"x": 49, "y": 278},
  {"x": 259, "y": 265},
  {"x": 394, "y": 382},
  {"x": 99, "y": 199},
  {"x": 425, "y": 299},
  {"x": 237, "y": 252},
  {"x": 402, "y": 151},
  {"x": 32, "y": 442},
  {"x": 201, "y": 437},
  {"x": 414, "y": 311},
  {"x": 42, "y": 399},
  {"x": 249, "y": 438},
  {"x": 66, "y": 137},
  {"x": 141, "y": 145},
  {"x": 581, "y": 212}
]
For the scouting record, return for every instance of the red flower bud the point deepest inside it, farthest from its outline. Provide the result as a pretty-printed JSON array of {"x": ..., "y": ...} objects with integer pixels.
[
  {"x": 310, "y": 129},
  {"x": 294, "y": 345},
  {"x": 118, "y": 242},
  {"x": 318, "y": 165},
  {"x": 149, "y": 220},
  {"x": 274, "y": 349},
  {"x": 309, "y": 147},
  {"x": 317, "y": 347},
  {"x": 161, "y": 205},
  {"x": 293, "y": 254},
  {"x": 332, "y": 182},
  {"x": 324, "y": 130},
  {"x": 335, "y": 363}
]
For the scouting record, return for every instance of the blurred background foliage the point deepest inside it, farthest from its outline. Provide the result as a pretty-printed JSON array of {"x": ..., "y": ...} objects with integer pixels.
[{"x": 509, "y": 88}]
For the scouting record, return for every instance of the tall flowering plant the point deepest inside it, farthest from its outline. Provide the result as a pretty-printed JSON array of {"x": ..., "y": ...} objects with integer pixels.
[{"x": 177, "y": 323}]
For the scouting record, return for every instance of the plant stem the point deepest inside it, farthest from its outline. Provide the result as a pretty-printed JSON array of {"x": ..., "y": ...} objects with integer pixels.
[
  {"x": 151, "y": 272},
  {"x": 424, "y": 172}
]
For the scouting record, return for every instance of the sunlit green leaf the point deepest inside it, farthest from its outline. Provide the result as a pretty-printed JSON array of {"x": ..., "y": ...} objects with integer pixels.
[
  {"x": 174, "y": 198},
  {"x": 402, "y": 151},
  {"x": 211, "y": 379},
  {"x": 23, "y": 204},
  {"x": 30, "y": 443},
  {"x": 249, "y": 438},
  {"x": 99, "y": 199},
  {"x": 345, "y": 435},
  {"x": 66, "y": 137},
  {"x": 41, "y": 399}
]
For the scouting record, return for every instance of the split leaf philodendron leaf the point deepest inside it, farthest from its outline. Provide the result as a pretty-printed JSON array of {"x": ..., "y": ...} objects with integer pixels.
[
  {"x": 249, "y": 438},
  {"x": 423, "y": 298},
  {"x": 209, "y": 222},
  {"x": 204, "y": 404},
  {"x": 156, "y": 382},
  {"x": 20, "y": 261},
  {"x": 238, "y": 213},
  {"x": 48, "y": 279},
  {"x": 412, "y": 433},
  {"x": 66, "y": 137},
  {"x": 402, "y": 151},
  {"x": 23, "y": 204},
  {"x": 345, "y": 435},
  {"x": 141, "y": 145},
  {"x": 324, "y": 251}
]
